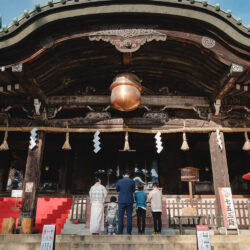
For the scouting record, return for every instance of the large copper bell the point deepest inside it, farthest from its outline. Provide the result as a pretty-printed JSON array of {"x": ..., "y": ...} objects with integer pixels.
[{"x": 126, "y": 92}]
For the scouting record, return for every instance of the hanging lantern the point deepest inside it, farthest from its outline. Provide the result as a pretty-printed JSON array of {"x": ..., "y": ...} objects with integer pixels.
[
  {"x": 126, "y": 92},
  {"x": 4, "y": 146},
  {"x": 66, "y": 145}
]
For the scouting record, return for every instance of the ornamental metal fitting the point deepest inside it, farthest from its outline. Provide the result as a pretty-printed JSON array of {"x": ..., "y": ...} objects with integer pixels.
[
  {"x": 127, "y": 39},
  {"x": 207, "y": 42}
]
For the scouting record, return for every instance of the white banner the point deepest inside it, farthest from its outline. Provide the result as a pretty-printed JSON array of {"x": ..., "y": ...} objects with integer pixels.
[{"x": 227, "y": 207}]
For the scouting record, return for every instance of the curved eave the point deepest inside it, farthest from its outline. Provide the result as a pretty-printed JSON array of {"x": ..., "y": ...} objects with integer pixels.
[{"x": 196, "y": 12}]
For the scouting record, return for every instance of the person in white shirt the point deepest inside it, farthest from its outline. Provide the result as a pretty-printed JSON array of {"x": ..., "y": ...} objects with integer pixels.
[
  {"x": 155, "y": 197},
  {"x": 97, "y": 196}
]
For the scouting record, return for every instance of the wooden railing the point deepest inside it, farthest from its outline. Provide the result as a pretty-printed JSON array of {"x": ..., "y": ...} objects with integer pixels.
[
  {"x": 242, "y": 210},
  {"x": 206, "y": 209},
  {"x": 79, "y": 209}
]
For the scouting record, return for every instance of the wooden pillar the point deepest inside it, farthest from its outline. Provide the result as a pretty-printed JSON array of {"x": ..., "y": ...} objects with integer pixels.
[
  {"x": 4, "y": 169},
  {"x": 32, "y": 178},
  {"x": 64, "y": 174},
  {"x": 68, "y": 176},
  {"x": 219, "y": 169}
]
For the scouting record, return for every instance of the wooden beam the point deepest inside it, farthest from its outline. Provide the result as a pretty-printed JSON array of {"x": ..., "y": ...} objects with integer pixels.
[
  {"x": 228, "y": 84},
  {"x": 222, "y": 53},
  {"x": 185, "y": 102},
  {"x": 25, "y": 82},
  {"x": 127, "y": 59},
  {"x": 31, "y": 86},
  {"x": 228, "y": 81},
  {"x": 181, "y": 102},
  {"x": 106, "y": 129},
  {"x": 219, "y": 170},
  {"x": 32, "y": 178}
]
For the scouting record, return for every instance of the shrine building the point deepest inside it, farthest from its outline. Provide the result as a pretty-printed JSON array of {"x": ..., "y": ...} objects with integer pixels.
[{"x": 153, "y": 87}]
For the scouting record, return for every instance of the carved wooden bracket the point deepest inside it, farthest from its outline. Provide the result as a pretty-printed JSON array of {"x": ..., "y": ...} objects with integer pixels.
[
  {"x": 155, "y": 115},
  {"x": 98, "y": 116},
  {"x": 127, "y": 39},
  {"x": 203, "y": 112}
]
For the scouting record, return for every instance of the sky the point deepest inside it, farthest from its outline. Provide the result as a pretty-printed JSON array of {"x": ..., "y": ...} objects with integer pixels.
[{"x": 10, "y": 9}]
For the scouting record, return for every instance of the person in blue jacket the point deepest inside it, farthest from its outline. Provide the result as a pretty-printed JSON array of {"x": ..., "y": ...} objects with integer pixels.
[
  {"x": 141, "y": 206},
  {"x": 126, "y": 188}
]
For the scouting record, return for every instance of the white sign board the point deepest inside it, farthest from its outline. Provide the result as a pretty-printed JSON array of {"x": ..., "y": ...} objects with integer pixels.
[
  {"x": 203, "y": 239},
  {"x": 227, "y": 207},
  {"x": 17, "y": 193},
  {"x": 48, "y": 237},
  {"x": 29, "y": 187}
]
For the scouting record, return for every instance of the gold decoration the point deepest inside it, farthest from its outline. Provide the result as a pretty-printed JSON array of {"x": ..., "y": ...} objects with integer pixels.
[
  {"x": 184, "y": 145},
  {"x": 66, "y": 145},
  {"x": 4, "y": 146}
]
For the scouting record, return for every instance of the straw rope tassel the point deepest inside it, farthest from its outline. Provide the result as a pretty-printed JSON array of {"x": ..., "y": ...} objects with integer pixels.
[
  {"x": 246, "y": 146},
  {"x": 126, "y": 143},
  {"x": 184, "y": 145},
  {"x": 66, "y": 145},
  {"x": 4, "y": 146}
]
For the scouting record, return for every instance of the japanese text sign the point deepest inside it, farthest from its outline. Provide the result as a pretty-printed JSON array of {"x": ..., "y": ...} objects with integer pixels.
[
  {"x": 203, "y": 239},
  {"x": 227, "y": 207},
  {"x": 48, "y": 237}
]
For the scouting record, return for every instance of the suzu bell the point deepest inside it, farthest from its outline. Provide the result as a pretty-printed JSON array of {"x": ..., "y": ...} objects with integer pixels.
[{"x": 126, "y": 92}]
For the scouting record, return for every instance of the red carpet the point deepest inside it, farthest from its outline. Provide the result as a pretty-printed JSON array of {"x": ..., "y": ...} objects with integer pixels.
[
  {"x": 6, "y": 211},
  {"x": 49, "y": 211},
  {"x": 52, "y": 211}
]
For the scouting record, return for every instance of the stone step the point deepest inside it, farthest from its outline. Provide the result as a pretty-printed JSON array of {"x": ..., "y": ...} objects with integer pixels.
[
  {"x": 122, "y": 242},
  {"x": 29, "y": 238},
  {"x": 99, "y": 246},
  {"x": 182, "y": 239}
]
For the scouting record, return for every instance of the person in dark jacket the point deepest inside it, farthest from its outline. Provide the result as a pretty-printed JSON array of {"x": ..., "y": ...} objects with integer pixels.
[{"x": 126, "y": 188}]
